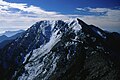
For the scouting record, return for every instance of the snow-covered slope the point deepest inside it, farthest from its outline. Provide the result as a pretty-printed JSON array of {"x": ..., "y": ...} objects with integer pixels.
[
  {"x": 39, "y": 35},
  {"x": 40, "y": 60}
]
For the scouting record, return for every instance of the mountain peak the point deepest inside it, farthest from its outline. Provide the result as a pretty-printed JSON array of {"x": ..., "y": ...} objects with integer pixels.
[{"x": 60, "y": 50}]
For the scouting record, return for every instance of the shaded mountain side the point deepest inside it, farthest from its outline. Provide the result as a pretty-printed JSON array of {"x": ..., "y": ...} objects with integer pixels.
[
  {"x": 88, "y": 63},
  {"x": 4, "y": 43},
  {"x": 109, "y": 40}
]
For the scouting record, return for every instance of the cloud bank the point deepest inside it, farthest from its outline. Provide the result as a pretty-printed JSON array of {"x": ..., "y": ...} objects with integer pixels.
[
  {"x": 19, "y": 15},
  {"x": 108, "y": 19},
  {"x": 15, "y": 16}
]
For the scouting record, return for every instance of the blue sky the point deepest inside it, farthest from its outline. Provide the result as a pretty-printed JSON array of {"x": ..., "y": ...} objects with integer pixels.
[
  {"x": 21, "y": 14},
  {"x": 68, "y": 7}
]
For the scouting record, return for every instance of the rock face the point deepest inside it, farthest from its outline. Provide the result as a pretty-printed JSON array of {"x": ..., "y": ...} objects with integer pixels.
[{"x": 58, "y": 50}]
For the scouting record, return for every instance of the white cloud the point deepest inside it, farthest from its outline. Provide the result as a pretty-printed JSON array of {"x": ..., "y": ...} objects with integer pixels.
[
  {"x": 24, "y": 7},
  {"x": 81, "y": 9},
  {"x": 20, "y": 15},
  {"x": 109, "y": 21},
  {"x": 98, "y": 9},
  {"x": 25, "y": 15}
]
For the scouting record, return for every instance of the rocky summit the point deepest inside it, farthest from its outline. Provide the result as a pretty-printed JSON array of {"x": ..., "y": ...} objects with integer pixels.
[{"x": 62, "y": 50}]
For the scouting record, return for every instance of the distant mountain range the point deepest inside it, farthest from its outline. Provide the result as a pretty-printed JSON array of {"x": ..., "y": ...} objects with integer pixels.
[
  {"x": 3, "y": 37},
  {"x": 59, "y": 50},
  {"x": 8, "y": 36},
  {"x": 11, "y": 33}
]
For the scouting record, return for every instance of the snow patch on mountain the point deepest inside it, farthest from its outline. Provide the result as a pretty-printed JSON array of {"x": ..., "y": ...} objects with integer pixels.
[{"x": 38, "y": 54}]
